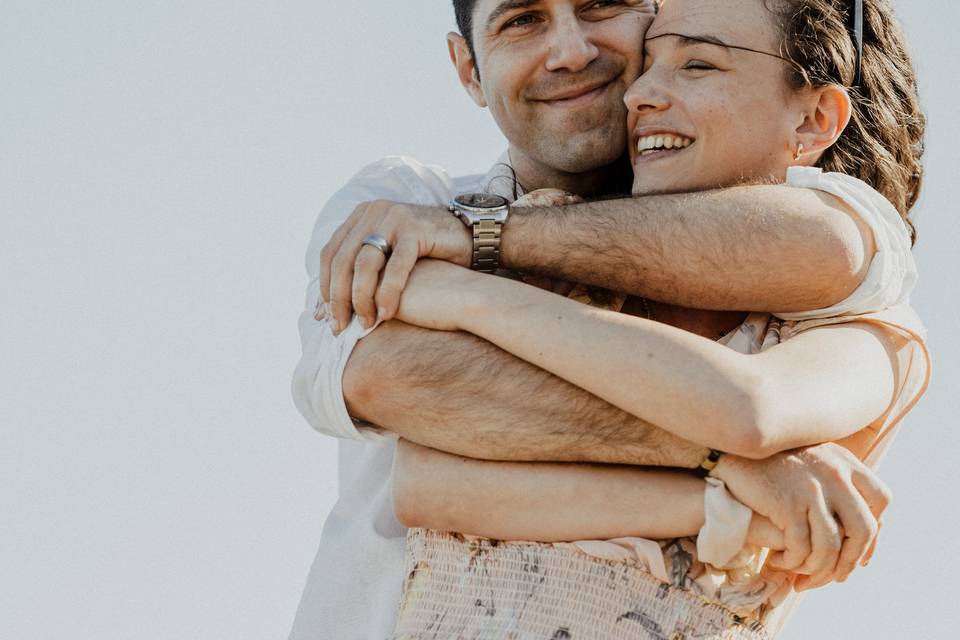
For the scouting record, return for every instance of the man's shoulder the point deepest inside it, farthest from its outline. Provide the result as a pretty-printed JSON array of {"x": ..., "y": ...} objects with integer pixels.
[{"x": 407, "y": 179}]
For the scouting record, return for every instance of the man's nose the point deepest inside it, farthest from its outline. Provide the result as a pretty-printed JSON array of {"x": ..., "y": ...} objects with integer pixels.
[
  {"x": 569, "y": 46},
  {"x": 647, "y": 93}
]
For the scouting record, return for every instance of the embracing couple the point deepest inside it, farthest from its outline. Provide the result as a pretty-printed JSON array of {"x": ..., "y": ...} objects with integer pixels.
[{"x": 568, "y": 412}]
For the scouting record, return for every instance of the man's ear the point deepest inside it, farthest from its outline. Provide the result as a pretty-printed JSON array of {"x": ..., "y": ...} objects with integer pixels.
[
  {"x": 466, "y": 67},
  {"x": 827, "y": 114}
]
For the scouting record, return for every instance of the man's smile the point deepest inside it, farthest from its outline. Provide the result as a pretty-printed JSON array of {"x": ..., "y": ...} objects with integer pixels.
[{"x": 576, "y": 97}]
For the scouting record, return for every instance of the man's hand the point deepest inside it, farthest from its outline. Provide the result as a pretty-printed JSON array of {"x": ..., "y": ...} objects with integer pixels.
[
  {"x": 350, "y": 271},
  {"x": 827, "y": 502}
]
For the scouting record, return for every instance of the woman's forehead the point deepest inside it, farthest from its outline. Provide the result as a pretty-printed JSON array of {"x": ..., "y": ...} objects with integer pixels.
[{"x": 741, "y": 22}]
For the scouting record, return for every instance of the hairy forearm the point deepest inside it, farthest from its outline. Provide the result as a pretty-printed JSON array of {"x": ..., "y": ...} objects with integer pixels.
[
  {"x": 519, "y": 500},
  {"x": 755, "y": 248},
  {"x": 457, "y": 393}
]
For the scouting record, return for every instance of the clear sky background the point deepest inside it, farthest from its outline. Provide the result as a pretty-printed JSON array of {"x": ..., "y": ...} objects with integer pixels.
[{"x": 161, "y": 166}]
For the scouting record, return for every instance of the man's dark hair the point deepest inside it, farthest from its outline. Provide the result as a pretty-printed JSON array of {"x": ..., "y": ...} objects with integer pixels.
[{"x": 464, "y": 12}]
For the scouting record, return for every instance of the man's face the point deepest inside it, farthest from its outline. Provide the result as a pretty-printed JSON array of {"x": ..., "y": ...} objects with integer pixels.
[{"x": 554, "y": 73}]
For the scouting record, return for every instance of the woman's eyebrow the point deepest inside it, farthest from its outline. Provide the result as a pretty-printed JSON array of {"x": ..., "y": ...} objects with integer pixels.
[{"x": 691, "y": 40}]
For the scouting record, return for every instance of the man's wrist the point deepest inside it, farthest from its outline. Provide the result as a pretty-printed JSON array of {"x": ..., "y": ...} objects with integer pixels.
[
  {"x": 462, "y": 237},
  {"x": 452, "y": 241}
]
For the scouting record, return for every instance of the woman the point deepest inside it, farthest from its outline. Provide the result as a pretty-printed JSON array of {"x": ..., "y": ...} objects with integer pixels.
[{"x": 732, "y": 92}]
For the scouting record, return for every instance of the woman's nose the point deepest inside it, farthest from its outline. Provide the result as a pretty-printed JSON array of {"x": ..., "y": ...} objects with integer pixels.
[
  {"x": 646, "y": 94},
  {"x": 570, "y": 47}
]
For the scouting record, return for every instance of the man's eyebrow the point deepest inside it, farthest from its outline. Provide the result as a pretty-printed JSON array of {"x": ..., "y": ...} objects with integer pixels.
[{"x": 508, "y": 5}]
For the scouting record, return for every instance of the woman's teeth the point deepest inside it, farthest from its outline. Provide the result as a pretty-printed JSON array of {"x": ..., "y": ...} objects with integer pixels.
[{"x": 652, "y": 144}]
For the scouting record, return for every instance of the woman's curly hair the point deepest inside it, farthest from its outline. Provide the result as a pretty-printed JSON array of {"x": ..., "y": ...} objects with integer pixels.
[{"x": 883, "y": 144}]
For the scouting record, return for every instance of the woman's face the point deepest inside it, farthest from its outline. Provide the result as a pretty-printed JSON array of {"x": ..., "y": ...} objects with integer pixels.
[{"x": 704, "y": 115}]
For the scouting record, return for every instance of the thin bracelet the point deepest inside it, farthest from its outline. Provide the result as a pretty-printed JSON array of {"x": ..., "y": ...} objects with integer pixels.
[{"x": 709, "y": 464}]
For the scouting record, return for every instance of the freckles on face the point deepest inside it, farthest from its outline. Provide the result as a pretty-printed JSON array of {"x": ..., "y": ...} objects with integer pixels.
[{"x": 731, "y": 103}]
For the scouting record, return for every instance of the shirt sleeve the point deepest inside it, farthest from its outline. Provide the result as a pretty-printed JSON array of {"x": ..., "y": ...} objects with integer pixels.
[
  {"x": 892, "y": 274},
  {"x": 911, "y": 361},
  {"x": 317, "y": 385}
]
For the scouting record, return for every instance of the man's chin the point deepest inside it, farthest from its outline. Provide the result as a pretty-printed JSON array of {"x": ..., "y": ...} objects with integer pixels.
[{"x": 584, "y": 152}]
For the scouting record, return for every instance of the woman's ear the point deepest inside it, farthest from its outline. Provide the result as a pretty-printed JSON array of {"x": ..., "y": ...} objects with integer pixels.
[
  {"x": 827, "y": 115},
  {"x": 466, "y": 67}
]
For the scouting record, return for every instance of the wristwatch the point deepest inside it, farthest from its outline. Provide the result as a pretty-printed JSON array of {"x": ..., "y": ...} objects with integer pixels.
[{"x": 485, "y": 214}]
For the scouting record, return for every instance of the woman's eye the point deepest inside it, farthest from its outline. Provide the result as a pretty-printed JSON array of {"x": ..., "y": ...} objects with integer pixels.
[{"x": 698, "y": 65}]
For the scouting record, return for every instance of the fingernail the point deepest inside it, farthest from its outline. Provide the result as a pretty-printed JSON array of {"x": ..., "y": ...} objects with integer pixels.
[
  {"x": 321, "y": 311},
  {"x": 381, "y": 312},
  {"x": 337, "y": 327},
  {"x": 366, "y": 322}
]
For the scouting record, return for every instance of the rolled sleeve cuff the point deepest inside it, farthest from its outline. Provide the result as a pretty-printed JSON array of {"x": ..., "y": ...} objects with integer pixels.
[
  {"x": 318, "y": 381},
  {"x": 892, "y": 274}
]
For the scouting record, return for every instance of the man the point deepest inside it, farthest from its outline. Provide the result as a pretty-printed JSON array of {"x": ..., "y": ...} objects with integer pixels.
[{"x": 553, "y": 73}]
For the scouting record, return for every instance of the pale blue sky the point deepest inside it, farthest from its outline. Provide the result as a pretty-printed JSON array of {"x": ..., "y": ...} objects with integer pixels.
[{"x": 161, "y": 165}]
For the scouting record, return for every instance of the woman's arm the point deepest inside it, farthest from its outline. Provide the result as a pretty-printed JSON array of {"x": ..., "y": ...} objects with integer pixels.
[
  {"x": 542, "y": 501},
  {"x": 820, "y": 386}
]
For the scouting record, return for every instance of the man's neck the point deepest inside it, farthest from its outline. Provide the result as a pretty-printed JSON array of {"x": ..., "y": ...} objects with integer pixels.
[{"x": 603, "y": 181}]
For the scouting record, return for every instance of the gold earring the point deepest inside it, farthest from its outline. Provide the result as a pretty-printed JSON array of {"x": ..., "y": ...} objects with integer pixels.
[{"x": 799, "y": 151}]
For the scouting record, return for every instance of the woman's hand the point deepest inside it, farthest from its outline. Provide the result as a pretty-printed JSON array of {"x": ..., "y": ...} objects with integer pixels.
[
  {"x": 825, "y": 500},
  {"x": 437, "y": 293}
]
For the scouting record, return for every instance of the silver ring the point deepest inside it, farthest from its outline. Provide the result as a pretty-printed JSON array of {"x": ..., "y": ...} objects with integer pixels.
[{"x": 377, "y": 242}]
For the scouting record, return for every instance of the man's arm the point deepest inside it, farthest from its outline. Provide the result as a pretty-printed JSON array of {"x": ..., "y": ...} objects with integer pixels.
[
  {"x": 754, "y": 248},
  {"x": 457, "y": 393},
  {"x": 751, "y": 248}
]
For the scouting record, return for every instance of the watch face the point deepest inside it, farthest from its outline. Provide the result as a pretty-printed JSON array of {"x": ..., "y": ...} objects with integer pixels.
[{"x": 482, "y": 201}]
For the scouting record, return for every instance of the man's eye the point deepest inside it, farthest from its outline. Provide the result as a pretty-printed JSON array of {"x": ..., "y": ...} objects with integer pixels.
[{"x": 524, "y": 20}]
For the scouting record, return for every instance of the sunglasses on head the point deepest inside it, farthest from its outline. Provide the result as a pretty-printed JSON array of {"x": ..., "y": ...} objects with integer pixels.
[{"x": 855, "y": 24}]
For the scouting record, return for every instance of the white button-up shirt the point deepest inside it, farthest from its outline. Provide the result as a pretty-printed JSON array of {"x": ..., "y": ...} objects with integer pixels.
[{"x": 354, "y": 586}]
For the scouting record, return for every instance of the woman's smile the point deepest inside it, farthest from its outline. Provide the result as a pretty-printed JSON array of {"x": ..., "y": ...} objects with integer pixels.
[{"x": 652, "y": 144}]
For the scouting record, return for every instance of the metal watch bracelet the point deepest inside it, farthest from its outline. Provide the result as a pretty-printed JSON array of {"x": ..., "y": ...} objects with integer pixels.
[{"x": 486, "y": 246}]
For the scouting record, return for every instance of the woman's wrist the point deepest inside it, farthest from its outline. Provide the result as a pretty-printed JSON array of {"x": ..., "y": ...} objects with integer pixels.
[{"x": 482, "y": 296}]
